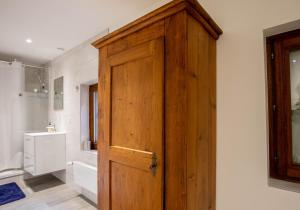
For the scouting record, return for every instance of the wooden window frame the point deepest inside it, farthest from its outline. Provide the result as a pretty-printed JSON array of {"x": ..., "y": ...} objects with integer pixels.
[
  {"x": 279, "y": 105},
  {"x": 92, "y": 89}
]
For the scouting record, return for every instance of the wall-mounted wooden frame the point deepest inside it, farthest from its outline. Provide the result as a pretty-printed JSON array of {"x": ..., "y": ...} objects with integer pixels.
[
  {"x": 93, "y": 90},
  {"x": 279, "y": 47}
]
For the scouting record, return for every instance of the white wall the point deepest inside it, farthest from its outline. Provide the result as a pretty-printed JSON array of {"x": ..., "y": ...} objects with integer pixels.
[
  {"x": 242, "y": 164},
  {"x": 78, "y": 66}
]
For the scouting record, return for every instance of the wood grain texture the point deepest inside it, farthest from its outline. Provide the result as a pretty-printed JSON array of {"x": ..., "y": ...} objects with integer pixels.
[
  {"x": 131, "y": 157},
  {"x": 103, "y": 135},
  {"x": 201, "y": 129},
  {"x": 128, "y": 194},
  {"x": 175, "y": 112},
  {"x": 198, "y": 114},
  {"x": 198, "y": 12},
  {"x": 154, "y": 31},
  {"x": 133, "y": 128},
  {"x": 212, "y": 144},
  {"x": 161, "y": 93},
  {"x": 176, "y": 6}
]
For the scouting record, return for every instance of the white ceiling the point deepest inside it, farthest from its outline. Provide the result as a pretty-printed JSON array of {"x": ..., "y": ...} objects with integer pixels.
[{"x": 59, "y": 23}]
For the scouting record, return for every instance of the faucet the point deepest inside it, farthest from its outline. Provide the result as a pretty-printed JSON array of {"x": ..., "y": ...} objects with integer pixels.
[{"x": 51, "y": 128}]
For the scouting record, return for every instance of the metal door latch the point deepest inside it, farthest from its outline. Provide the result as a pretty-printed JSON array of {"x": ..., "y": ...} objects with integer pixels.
[{"x": 153, "y": 165}]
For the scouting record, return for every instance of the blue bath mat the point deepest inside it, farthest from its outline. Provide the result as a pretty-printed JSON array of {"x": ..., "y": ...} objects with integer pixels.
[{"x": 9, "y": 193}]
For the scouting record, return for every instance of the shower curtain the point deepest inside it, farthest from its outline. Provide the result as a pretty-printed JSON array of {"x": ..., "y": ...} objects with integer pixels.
[
  {"x": 12, "y": 120},
  {"x": 20, "y": 112}
]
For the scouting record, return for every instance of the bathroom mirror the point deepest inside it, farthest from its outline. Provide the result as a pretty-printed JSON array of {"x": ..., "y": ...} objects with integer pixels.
[{"x": 59, "y": 93}]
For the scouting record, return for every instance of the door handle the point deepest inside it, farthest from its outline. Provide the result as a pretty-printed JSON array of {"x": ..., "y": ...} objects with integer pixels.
[{"x": 153, "y": 165}]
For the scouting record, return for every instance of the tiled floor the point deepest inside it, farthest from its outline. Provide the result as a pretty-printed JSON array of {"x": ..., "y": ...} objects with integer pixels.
[{"x": 46, "y": 193}]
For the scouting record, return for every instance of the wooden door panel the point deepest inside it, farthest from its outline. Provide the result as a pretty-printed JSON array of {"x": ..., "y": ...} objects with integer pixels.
[
  {"x": 126, "y": 194},
  {"x": 132, "y": 151},
  {"x": 133, "y": 94},
  {"x": 133, "y": 158}
]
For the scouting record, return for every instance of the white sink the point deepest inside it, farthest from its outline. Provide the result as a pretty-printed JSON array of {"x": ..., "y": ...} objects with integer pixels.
[{"x": 44, "y": 133}]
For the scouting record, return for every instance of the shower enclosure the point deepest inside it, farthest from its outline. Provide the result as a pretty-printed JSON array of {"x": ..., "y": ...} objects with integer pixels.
[{"x": 23, "y": 108}]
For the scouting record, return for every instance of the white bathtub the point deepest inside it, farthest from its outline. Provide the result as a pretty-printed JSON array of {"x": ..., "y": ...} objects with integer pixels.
[{"x": 85, "y": 176}]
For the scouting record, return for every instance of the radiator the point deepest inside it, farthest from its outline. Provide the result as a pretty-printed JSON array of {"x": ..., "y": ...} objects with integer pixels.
[{"x": 85, "y": 176}]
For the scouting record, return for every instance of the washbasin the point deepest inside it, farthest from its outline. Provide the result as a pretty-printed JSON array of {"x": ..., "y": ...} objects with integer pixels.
[{"x": 44, "y": 133}]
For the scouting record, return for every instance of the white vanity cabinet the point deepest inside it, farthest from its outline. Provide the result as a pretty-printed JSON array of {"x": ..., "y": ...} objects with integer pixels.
[{"x": 44, "y": 152}]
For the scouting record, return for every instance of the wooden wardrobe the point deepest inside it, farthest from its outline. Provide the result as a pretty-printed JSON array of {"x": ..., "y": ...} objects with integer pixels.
[{"x": 157, "y": 117}]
